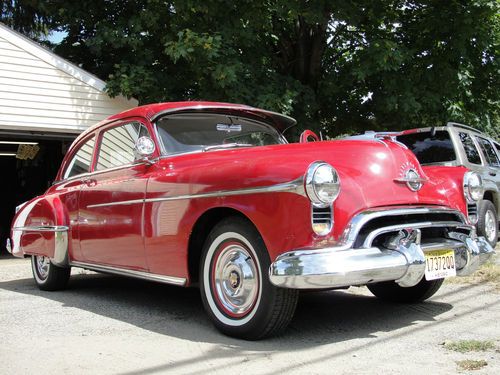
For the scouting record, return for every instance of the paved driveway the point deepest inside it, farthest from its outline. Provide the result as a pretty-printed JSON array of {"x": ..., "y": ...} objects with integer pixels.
[{"x": 110, "y": 325}]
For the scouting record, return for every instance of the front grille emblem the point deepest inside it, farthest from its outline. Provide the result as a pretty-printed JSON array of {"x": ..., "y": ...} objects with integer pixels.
[{"x": 411, "y": 178}]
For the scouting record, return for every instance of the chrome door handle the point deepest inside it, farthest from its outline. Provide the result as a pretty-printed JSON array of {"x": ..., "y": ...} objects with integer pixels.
[{"x": 90, "y": 182}]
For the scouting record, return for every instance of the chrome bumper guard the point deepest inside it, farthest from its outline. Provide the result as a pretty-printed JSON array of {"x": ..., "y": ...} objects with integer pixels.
[{"x": 403, "y": 261}]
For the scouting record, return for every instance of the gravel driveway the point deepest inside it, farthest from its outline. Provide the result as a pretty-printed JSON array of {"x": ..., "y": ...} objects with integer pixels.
[{"x": 110, "y": 325}]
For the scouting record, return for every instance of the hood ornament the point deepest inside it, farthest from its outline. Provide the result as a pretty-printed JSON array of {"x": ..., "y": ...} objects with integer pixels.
[{"x": 410, "y": 177}]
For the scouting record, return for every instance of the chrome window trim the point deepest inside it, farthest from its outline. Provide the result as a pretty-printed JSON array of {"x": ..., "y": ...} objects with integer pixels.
[
  {"x": 204, "y": 107},
  {"x": 90, "y": 174},
  {"x": 296, "y": 186},
  {"x": 180, "y": 281}
]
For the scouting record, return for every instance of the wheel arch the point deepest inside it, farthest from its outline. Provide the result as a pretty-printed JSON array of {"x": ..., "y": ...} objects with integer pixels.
[
  {"x": 205, "y": 223},
  {"x": 493, "y": 196}
]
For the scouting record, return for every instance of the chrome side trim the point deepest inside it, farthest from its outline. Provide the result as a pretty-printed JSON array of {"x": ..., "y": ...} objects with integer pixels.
[
  {"x": 42, "y": 228},
  {"x": 120, "y": 203},
  {"x": 295, "y": 186},
  {"x": 427, "y": 224},
  {"x": 131, "y": 273}
]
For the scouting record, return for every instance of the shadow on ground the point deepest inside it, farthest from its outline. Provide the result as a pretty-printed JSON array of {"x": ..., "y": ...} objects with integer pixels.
[{"x": 321, "y": 317}]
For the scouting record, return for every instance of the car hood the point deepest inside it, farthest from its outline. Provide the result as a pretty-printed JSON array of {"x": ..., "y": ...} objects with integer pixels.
[{"x": 368, "y": 173}]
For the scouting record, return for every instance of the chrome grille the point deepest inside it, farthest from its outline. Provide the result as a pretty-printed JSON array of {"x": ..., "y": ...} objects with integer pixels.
[{"x": 433, "y": 223}]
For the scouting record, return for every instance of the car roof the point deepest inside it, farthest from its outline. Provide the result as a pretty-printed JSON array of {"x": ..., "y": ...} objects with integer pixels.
[
  {"x": 154, "y": 111},
  {"x": 440, "y": 128}
]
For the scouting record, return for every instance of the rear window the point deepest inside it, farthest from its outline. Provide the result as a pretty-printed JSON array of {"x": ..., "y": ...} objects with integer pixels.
[{"x": 428, "y": 148}]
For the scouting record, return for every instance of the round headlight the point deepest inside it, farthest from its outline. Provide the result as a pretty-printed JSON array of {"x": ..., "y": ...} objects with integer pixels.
[
  {"x": 322, "y": 184},
  {"x": 473, "y": 186}
]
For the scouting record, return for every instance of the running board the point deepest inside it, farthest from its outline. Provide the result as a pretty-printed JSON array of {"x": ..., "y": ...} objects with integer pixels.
[{"x": 131, "y": 273}]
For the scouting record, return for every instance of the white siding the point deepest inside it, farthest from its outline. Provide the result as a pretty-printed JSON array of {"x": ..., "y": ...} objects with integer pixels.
[{"x": 41, "y": 92}]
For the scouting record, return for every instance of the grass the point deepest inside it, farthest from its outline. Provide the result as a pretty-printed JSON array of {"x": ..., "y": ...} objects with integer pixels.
[
  {"x": 465, "y": 346},
  {"x": 470, "y": 364},
  {"x": 487, "y": 273}
]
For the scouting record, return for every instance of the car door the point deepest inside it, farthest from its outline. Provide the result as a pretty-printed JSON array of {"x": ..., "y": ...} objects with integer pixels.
[
  {"x": 491, "y": 159},
  {"x": 68, "y": 189},
  {"x": 111, "y": 200}
]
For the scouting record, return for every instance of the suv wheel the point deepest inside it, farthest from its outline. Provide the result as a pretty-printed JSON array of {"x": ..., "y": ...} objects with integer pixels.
[{"x": 487, "y": 224}]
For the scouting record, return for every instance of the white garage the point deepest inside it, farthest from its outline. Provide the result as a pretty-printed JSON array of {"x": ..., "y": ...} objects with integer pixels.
[{"x": 45, "y": 102}]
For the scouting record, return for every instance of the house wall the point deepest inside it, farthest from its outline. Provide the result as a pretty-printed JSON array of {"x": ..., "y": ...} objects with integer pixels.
[{"x": 38, "y": 93}]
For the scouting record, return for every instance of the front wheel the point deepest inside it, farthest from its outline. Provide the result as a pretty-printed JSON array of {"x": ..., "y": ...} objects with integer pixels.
[
  {"x": 391, "y": 291},
  {"x": 487, "y": 224},
  {"x": 47, "y": 275},
  {"x": 235, "y": 286}
]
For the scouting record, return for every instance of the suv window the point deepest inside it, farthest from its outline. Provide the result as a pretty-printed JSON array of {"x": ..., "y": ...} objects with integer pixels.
[
  {"x": 430, "y": 148},
  {"x": 470, "y": 148},
  {"x": 82, "y": 159},
  {"x": 118, "y": 145},
  {"x": 489, "y": 152},
  {"x": 497, "y": 146}
]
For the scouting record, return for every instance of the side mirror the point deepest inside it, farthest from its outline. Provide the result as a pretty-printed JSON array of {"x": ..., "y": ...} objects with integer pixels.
[{"x": 144, "y": 149}]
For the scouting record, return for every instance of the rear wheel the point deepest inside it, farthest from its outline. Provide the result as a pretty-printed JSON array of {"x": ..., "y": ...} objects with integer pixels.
[
  {"x": 391, "y": 291},
  {"x": 487, "y": 223},
  {"x": 235, "y": 286},
  {"x": 47, "y": 275}
]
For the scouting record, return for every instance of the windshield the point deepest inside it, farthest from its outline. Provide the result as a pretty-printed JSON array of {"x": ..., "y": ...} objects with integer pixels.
[
  {"x": 189, "y": 132},
  {"x": 428, "y": 148}
]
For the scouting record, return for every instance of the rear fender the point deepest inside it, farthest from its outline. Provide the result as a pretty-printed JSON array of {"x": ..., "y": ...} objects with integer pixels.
[{"x": 41, "y": 228}]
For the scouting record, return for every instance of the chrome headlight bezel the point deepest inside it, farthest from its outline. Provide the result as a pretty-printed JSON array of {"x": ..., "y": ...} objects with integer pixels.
[
  {"x": 473, "y": 187},
  {"x": 320, "y": 176}
]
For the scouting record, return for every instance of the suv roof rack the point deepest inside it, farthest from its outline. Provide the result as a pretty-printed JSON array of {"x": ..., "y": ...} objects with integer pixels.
[{"x": 458, "y": 125}]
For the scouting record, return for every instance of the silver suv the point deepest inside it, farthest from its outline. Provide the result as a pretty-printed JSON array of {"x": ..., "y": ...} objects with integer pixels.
[{"x": 457, "y": 144}]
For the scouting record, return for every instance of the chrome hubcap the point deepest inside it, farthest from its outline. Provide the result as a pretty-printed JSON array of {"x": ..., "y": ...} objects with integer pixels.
[
  {"x": 235, "y": 278},
  {"x": 490, "y": 228},
  {"x": 42, "y": 266}
]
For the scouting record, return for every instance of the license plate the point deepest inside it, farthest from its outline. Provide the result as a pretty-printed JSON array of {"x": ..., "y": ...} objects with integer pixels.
[{"x": 439, "y": 264}]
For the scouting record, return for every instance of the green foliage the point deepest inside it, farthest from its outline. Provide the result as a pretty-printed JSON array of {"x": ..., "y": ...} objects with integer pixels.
[
  {"x": 29, "y": 17},
  {"x": 339, "y": 67}
]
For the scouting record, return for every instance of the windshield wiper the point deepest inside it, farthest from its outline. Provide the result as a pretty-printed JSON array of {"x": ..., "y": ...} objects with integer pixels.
[{"x": 226, "y": 145}]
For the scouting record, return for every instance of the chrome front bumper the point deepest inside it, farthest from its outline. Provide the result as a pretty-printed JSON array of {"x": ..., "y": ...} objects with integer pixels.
[{"x": 342, "y": 266}]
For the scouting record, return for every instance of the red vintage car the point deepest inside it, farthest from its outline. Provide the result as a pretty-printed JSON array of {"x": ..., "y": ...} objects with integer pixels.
[{"x": 211, "y": 194}]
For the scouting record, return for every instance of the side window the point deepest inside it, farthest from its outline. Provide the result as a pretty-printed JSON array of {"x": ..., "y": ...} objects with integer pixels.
[
  {"x": 489, "y": 152},
  {"x": 118, "y": 144},
  {"x": 470, "y": 148},
  {"x": 81, "y": 160},
  {"x": 497, "y": 146}
]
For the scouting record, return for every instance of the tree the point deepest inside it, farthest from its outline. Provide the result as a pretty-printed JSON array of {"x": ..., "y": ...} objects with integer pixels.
[
  {"x": 29, "y": 17},
  {"x": 337, "y": 66}
]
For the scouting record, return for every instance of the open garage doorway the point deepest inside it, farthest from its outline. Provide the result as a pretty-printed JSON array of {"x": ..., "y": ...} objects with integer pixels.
[{"x": 29, "y": 164}]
